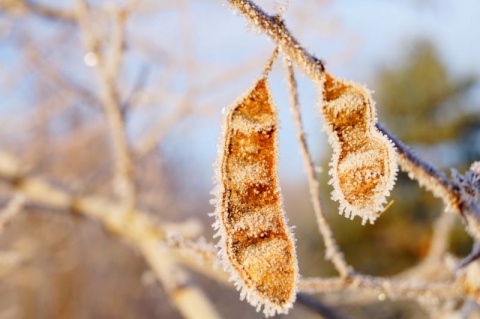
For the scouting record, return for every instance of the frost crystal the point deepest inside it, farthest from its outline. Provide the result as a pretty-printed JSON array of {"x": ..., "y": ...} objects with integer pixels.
[
  {"x": 469, "y": 183},
  {"x": 364, "y": 162},
  {"x": 256, "y": 246},
  {"x": 281, "y": 6},
  {"x": 475, "y": 167}
]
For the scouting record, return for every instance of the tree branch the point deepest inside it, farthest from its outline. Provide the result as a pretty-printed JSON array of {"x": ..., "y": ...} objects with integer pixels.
[
  {"x": 391, "y": 288},
  {"x": 274, "y": 27},
  {"x": 424, "y": 173},
  {"x": 13, "y": 6}
]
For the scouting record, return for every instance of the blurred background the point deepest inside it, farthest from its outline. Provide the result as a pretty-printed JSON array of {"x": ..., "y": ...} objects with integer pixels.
[{"x": 183, "y": 62}]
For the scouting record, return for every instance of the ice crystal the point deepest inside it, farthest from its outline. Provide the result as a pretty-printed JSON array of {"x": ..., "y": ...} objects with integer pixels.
[{"x": 469, "y": 183}]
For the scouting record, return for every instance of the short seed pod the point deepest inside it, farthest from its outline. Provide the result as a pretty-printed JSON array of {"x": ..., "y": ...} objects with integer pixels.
[{"x": 364, "y": 162}]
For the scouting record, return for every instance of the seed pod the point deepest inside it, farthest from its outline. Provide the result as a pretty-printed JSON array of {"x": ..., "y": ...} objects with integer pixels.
[
  {"x": 364, "y": 162},
  {"x": 256, "y": 246}
]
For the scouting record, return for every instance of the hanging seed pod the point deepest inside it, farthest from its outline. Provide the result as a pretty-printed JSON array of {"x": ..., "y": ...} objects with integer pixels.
[
  {"x": 364, "y": 162},
  {"x": 256, "y": 246}
]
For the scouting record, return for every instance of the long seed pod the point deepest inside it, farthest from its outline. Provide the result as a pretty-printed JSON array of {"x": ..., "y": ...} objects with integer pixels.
[
  {"x": 256, "y": 246},
  {"x": 364, "y": 161}
]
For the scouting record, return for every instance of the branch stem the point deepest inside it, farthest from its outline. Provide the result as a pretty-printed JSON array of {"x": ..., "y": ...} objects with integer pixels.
[{"x": 333, "y": 252}]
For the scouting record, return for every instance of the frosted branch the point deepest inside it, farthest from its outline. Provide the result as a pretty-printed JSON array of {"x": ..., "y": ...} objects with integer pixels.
[
  {"x": 424, "y": 173},
  {"x": 389, "y": 287},
  {"x": 205, "y": 251},
  {"x": 275, "y": 28},
  {"x": 456, "y": 193}
]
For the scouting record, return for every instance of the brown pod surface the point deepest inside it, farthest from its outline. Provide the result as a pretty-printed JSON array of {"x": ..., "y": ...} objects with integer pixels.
[{"x": 257, "y": 248}]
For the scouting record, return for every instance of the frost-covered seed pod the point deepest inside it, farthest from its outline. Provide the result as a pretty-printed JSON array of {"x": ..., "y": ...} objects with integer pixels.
[
  {"x": 256, "y": 246},
  {"x": 364, "y": 162}
]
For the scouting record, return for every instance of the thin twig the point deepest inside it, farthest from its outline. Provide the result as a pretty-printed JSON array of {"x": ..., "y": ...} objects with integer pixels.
[
  {"x": 108, "y": 68},
  {"x": 391, "y": 288},
  {"x": 333, "y": 252},
  {"x": 274, "y": 27},
  {"x": 138, "y": 86},
  {"x": 159, "y": 130},
  {"x": 474, "y": 255}
]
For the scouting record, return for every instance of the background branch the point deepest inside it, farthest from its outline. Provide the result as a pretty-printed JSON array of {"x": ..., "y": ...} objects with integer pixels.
[
  {"x": 137, "y": 229},
  {"x": 108, "y": 68}
]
